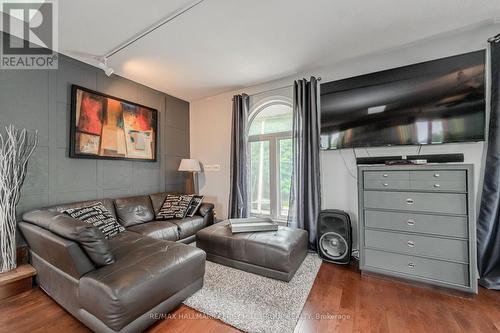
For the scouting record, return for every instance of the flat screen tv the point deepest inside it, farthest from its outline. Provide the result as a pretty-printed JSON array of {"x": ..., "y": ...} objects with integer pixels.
[{"x": 434, "y": 102}]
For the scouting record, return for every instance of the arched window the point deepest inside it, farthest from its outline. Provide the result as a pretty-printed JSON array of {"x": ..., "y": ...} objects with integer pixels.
[{"x": 270, "y": 150}]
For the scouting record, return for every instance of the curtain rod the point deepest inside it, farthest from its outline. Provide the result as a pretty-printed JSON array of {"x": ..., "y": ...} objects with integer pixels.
[
  {"x": 274, "y": 89},
  {"x": 266, "y": 91}
]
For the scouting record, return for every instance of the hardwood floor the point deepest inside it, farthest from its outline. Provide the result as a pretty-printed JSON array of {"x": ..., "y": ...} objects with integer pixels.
[{"x": 341, "y": 300}]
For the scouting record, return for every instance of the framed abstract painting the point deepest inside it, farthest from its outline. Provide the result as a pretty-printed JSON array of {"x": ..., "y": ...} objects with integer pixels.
[{"x": 107, "y": 127}]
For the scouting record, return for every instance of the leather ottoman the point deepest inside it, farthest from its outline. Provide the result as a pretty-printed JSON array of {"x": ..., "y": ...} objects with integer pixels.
[{"x": 275, "y": 254}]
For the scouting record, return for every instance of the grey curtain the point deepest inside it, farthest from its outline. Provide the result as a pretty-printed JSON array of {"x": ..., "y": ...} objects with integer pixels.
[
  {"x": 305, "y": 190},
  {"x": 488, "y": 224},
  {"x": 238, "y": 193}
]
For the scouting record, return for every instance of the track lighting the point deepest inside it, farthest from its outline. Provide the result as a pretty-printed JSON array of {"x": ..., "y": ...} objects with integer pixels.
[
  {"x": 103, "y": 64},
  {"x": 103, "y": 59},
  {"x": 108, "y": 71}
]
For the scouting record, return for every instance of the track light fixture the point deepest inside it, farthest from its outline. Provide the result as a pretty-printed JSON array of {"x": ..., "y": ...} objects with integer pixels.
[
  {"x": 103, "y": 64},
  {"x": 109, "y": 71}
]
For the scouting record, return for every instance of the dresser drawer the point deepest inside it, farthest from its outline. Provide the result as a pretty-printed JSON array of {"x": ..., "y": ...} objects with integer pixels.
[
  {"x": 448, "y": 249},
  {"x": 438, "y": 175},
  {"x": 454, "y": 226},
  {"x": 438, "y": 186},
  {"x": 439, "y": 180},
  {"x": 387, "y": 175},
  {"x": 387, "y": 184},
  {"x": 437, "y": 270},
  {"x": 447, "y": 203}
]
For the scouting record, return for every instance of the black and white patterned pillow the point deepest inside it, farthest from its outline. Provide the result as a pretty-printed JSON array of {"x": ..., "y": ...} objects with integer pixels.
[
  {"x": 174, "y": 206},
  {"x": 194, "y": 205},
  {"x": 97, "y": 215}
]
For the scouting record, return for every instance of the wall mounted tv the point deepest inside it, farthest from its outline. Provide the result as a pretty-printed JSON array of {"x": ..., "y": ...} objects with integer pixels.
[{"x": 434, "y": 102}]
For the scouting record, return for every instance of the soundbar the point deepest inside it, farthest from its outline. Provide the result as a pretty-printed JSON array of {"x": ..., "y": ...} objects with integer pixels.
[{"x": 434, "y": 158}]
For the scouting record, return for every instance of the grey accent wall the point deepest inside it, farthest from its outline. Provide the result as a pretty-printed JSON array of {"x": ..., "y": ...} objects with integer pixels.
[{"x": 40, "y": 99}]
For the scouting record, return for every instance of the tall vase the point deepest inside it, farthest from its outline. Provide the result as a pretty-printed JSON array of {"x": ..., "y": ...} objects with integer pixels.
[
  {"x": 8, "y": 260},
  {"x": 16, "y": 147}
]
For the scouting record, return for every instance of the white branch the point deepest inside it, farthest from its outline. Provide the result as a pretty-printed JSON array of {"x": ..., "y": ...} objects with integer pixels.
[{"x": 16, "y": 149}]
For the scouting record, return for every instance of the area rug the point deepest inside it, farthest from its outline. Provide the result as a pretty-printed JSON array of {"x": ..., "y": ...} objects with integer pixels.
[{"x": 253, "y": 303}]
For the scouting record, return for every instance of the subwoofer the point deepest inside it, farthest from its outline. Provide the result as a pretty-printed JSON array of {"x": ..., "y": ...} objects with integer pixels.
[{"x": 334, "y": 236}]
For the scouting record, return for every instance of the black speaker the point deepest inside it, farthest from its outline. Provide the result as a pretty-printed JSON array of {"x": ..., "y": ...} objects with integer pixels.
[{"x": 334, "y": 236}]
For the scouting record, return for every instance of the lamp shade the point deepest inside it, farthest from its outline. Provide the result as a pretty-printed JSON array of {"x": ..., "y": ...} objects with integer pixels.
[{"x": 188, "y": 164}]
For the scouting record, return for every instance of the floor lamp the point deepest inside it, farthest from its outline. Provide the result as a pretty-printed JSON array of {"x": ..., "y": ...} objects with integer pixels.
[{"x": 192, "y": 167}]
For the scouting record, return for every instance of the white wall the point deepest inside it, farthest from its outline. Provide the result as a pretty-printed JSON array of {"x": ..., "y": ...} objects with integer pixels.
[{"x": 211, "y": 121}]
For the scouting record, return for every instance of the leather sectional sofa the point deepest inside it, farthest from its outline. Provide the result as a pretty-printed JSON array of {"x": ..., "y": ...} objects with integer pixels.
[{"x": 127, "y": 282}]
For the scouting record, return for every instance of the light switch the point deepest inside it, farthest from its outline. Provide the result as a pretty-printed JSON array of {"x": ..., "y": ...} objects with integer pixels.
[{"x": 211, "y": 167}]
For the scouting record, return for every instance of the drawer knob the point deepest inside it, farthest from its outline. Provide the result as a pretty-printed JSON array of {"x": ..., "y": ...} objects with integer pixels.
[
  {"x": 385, "y": 184},
  {"x": 411, "y": 222},
  {"x": 410, "y": 201},
  {"x": 411, "y": 265},
  {"x": 385, "y": 175},
  {"x": 436, "y": 185},
  {"x": 436, "y": 175},
  {"x": 411, "y": 243}
]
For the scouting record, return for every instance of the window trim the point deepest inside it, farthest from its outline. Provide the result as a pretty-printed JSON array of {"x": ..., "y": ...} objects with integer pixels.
[
  {"x": 265, "y": 104},
  {"x": 278, "y": 178},
  {"x": 274, "y": 164}
]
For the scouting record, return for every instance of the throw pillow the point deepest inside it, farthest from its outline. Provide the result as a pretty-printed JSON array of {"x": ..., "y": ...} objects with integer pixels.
[
  {"x": 98, "y": 216},
  {"x": 194, "y": 205},
  {"x": 174, "y": 206},
  {"x": 183, "y": 205}
]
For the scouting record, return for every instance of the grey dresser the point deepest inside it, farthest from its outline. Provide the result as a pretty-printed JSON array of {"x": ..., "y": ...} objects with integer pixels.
[{"x": 418, "y": 223}]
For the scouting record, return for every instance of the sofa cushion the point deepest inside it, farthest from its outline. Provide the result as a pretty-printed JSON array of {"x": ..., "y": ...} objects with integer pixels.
[
  {"x": 108, "y": 203},
  {"x": 134, "y": 210},
  {"x": 98, "y": 216},
  {"x": 146, "y": 272},
  {"x": 86, "y": 235},
  {"x": 174, "y": 206},
  {"x": 157, "y": 229},
  {"x": 157, "y": 200},
  {"x": 189, "y": 225}
]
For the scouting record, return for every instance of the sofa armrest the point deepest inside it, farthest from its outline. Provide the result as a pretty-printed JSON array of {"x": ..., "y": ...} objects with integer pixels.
[
  {"x": 60, "y": 252},
  {"x": 85, "y": 234},
  {"x": 205, "y": 208},
  {"x": 206, "y": 211}
]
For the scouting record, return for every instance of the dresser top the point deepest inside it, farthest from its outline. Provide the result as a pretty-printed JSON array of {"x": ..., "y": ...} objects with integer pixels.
[{"x": 433, "y": 166}]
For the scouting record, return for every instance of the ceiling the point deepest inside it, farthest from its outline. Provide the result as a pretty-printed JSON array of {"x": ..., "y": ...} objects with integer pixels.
[{"x": 223, "y": 45}]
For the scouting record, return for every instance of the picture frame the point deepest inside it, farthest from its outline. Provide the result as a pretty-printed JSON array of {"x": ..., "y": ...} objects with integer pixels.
[{"x": 111, "y": 128}]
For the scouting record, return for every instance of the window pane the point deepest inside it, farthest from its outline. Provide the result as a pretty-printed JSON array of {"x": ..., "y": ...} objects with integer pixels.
[
  {"x": 273, "y": 119},
  {"x": 285, "y": 176},
  {"x": 260, "y": 178}
]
